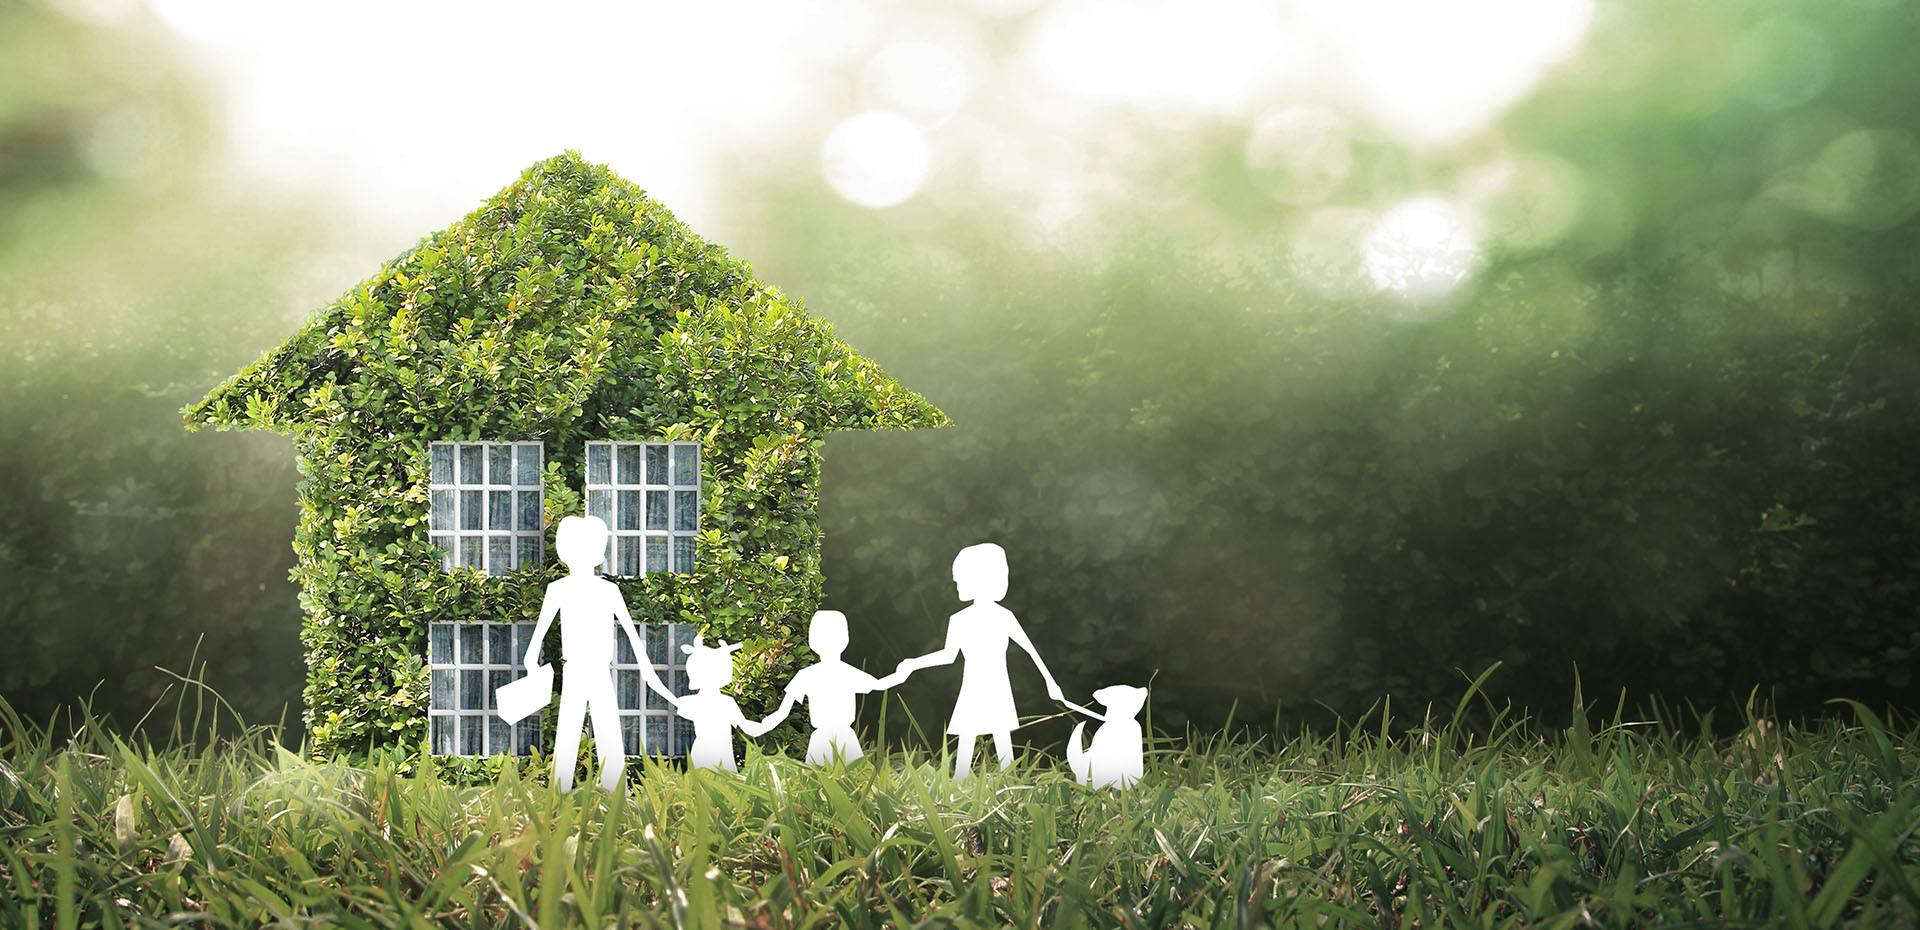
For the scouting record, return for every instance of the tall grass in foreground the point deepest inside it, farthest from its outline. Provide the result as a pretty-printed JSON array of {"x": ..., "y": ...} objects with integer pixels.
[{"x": 1632, "y": 824}]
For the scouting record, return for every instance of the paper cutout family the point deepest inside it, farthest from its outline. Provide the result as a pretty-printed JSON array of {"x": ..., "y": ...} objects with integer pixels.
[{"x": 589, "y": 607}]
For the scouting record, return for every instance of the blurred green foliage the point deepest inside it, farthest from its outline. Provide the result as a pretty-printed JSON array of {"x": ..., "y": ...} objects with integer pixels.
[{"x": 1671, "y": 441}]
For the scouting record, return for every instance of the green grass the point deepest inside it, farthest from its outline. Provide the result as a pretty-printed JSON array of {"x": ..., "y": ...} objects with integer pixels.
[{"x": 1500, "y": 825}]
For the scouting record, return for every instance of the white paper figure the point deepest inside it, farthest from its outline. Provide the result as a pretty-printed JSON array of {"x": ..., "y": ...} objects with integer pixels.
[
  {"x": 1117, "y": 756},
  {"x": 588, "y": 606},
  {"x": 979, "y": 634},
  {"x": 714, "y": 714},
  {"x": 829, "y": 687}
]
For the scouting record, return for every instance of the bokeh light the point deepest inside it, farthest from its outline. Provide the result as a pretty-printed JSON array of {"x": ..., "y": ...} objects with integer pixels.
[
  {"x": 1299, "y": 155},
  {"x": 876, "y": 159},
  {"x": 1422, "y": 249}
]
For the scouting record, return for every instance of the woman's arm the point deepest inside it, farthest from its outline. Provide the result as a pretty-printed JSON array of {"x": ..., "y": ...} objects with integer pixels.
[{"x": 1019, "y": 635}]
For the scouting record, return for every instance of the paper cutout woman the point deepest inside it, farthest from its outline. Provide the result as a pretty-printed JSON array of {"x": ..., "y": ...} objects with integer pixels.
[
  {"x": 979, "y": 634},
  {"x": 588, "y": 606},
  {"x": 714, "y": 713},
  {"x": 828, "y": 687}
]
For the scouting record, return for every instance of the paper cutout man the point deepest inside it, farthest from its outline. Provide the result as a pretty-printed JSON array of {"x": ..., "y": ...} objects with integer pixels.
[
  {"x": 714, "y": 714},
  {"x": 829, "y": 687},
  {"x": 979, "y": 634},
  {"x": 588, "y": 606},
  {"x": 1117, "y": 756}
]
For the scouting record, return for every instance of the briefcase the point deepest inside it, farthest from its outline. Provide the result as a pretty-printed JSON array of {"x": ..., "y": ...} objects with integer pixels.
[{"x": 516, "y": 700}]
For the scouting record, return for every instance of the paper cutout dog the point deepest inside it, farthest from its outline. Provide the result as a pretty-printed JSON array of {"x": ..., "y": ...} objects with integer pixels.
[{"x": 1118, "y": 753}]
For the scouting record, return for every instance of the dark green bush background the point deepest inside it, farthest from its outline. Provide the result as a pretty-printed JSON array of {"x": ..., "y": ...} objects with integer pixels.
[{"x": 1655, "y": 450}]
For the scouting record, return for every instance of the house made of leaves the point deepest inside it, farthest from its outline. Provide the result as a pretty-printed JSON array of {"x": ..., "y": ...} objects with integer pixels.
[{"x": 569, "y": 347}]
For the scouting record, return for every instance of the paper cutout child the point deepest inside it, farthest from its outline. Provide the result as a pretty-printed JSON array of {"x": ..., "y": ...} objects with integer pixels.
[
  {"x": 588, "y": 606},
  {"x": 828, "y": 687},
  {"x": 713, "y": 713},
  {"x": 1117, "y": 756},
  {"x": 979, "y": 634}
]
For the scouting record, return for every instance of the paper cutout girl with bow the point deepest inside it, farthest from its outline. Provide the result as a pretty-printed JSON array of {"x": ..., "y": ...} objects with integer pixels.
[
  {"x": 979, "y": 634},
  {"x": 829, "y": 687},
  {"x": 714, "y": 714},
  {"x": 588, "y": 606}
]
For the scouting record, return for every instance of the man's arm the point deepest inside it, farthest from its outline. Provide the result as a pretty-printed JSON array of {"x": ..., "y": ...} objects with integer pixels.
[
  {"x": 647, "y": 673},
  {"x": 549, "y": 606}
]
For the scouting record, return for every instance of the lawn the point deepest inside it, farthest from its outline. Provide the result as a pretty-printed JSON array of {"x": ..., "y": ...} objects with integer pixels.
[{"x": 1498, "y": 824}]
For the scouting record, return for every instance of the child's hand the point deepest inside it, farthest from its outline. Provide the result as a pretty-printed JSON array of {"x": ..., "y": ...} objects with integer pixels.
[
  {"x": 904, "y": 669},
  {"x": 757, "y": 728}
]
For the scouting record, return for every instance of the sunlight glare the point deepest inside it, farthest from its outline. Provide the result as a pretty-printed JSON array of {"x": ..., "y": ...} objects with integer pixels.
[
  {"x": 1422, "y": 249},
  {"x": 876, "y": 159}
]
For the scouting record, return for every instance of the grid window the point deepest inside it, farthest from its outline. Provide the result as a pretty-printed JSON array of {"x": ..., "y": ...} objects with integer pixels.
[
  {"x": 485, "y": 509},
  {"x": 469, "y": 660},
  {"x": 649, "y": 494},
  {"x": 641, "y": 710}
]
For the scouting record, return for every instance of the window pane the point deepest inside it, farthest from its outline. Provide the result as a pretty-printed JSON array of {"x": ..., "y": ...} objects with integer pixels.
[
  {"x": 499, "y": 554},
  {"x": 442, "y": 696},
  {"x": 500, "y": 510},
  {"x": 472, "y": 644},
  {"x": 497, "y": 679},
  {"x": 656, "y": 553},
  {"x": 629, "y": 510},
  {"x": 683, "y": 634},
  {"x": 683, "y": 554},
  {"x": 676, "y": 682},
  {"x": 629, "y": 470},
  {"x": 657, "y": 736},
  {"x": 622, "y": 649},
  {"x": 473, "y": 510},
  {"x": 629, "y": 562},
  {"x": 526, "y": 736},
  {"x": 499, "y": 736},
  {"x": 630, "y": 685},
  {"x": 600, "y": 504},
  {"x": 443, "y": 736},
  {"x": 470, "y": 464},
  {"x": 656, "y": 464},
  {"x": 470, "y": 551},
  {"x": 522, "y": 637},
  {"x": 473, "y": 689},
  {"x": 529, "y": 511},
  {"x": 440, "y": 650},
  {"x": 630, "y": 734},
  {"x": 655, "y": 701},
  {"x": 500, "y": 463},
  {"x": 446, "y": 546},
  {"x": 686, "y": 464},
  {"x": 440, "y": 514},
  {"x": 441, "y": 455},
  {"x": 499, "y": 644},
  {"x": 527, "y": 465},
  {"x": 599, "y": 463},
  {"x": 529, "y": 551},
  {"x": 686, "y": 511},
  {"x": 656, "y": 636},
  {"x": 656, "y": 510},
  {"x": 471, "y": 729}
]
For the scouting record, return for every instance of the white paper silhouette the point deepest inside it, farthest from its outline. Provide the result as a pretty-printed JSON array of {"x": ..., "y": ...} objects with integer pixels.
[
  {"x": 714, "y": 714},
  {"x": 829, "y": 687},
  {"x": 1117, "y": 756},
  {"x": 979, "y": 634},
  {"x": 588, "y": 607},
  {"x": 515, "y": 700}
]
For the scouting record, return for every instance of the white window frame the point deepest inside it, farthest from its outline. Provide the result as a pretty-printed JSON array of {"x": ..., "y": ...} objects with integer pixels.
[
  {"x": 465, "y": 498},
  {"x": 641, "y": 710},
  {"x": 461, "y": 718},
  {"x": 640, "y": 544}
]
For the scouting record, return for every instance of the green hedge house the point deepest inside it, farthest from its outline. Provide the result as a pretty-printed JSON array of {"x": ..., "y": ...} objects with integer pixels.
[{"x": 568, "y": 347}]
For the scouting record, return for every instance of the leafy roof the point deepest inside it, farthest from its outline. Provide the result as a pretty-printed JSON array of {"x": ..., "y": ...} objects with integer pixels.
[{"x": 566, "y": 285}]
